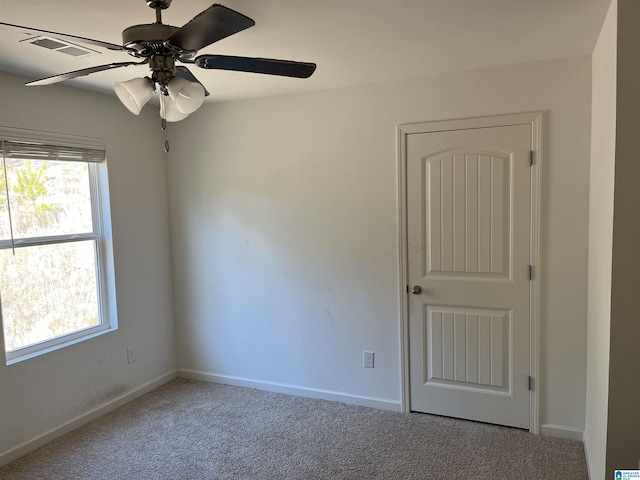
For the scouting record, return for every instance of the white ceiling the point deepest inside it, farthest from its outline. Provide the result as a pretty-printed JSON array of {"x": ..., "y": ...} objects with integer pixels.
[{"x": 353, "y": 42}]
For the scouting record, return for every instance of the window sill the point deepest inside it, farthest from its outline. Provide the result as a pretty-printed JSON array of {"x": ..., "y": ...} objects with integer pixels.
[{"x": 32, "y": 351}]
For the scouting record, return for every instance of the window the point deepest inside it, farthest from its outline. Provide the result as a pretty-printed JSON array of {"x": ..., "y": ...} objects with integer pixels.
[{"x": 56, "y": 265}]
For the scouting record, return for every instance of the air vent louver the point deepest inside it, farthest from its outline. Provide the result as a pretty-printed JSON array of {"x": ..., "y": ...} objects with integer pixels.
[{"x": 61, "y": 46}]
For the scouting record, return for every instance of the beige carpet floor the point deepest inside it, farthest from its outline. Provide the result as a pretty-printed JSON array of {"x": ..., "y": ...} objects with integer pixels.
[{"x": 196, "y": 430}]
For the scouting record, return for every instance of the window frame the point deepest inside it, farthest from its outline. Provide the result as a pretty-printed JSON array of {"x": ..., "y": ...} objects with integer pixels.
[{"x": 101, "y": 236}]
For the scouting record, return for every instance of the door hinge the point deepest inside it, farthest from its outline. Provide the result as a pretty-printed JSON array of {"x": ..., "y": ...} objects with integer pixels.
[
  {"x": 530, "y": 272},
  {"x": 531, "y": 158},
  {"x": 530, "y": 383}
]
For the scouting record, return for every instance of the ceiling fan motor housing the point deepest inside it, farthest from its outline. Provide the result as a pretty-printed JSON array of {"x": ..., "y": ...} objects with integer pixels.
[{"x": 147, "y": 39}]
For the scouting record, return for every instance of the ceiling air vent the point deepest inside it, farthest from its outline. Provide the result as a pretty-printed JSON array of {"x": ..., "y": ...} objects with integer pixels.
[{"x": 61, "y": 46}]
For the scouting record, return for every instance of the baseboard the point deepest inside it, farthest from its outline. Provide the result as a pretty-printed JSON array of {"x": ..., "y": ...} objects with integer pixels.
[
  {"x": 379, "y": 403},
  {"x": 83, "y": 419},
  {"x": 562, "y": 431}
]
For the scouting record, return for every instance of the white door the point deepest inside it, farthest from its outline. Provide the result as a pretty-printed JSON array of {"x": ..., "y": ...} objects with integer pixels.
[{"x": 468, "y": 235}]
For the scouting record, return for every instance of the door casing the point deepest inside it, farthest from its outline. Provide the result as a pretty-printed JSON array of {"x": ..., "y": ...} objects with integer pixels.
[{"x": 534, "y": 119}]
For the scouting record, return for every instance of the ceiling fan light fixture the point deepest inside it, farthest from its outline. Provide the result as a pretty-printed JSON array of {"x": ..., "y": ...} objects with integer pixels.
[
  {"x": 168, "y": 110},
  {"x": 134, "y": 93},
  {"x": 160, "y": 47},
  {"x": 187, "y": 96}
]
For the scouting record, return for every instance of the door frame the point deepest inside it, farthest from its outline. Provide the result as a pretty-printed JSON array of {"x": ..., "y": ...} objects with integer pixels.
[{"x": 534, "y": 119}]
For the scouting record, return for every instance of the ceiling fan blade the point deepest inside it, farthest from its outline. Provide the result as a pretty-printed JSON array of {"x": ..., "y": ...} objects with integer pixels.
[
  {"x": 269, "y": 66},
  {"x": 213, "y": 24},
  {"x": 64, "y": 36},
  {"x": 185, "y": 73},
  {"x": 80, "y": 73}
]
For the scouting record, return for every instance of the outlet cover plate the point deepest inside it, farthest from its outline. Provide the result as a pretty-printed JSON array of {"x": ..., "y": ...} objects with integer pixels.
[{"x": 367, "y": 359}]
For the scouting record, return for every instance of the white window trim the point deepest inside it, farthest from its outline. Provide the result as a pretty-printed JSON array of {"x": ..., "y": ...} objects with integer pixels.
[{"x": 102, "y": 234}]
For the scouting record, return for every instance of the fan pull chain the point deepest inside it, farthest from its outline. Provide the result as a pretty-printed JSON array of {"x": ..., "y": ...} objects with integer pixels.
[
  {"x": 163, "y": 123},
  {"x": 6, "y": 188}
]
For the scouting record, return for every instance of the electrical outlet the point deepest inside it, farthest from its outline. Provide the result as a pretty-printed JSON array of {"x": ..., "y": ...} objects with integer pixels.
[
  {"x": 367, "y": 359},
  {"x": 131, "y": 355}
]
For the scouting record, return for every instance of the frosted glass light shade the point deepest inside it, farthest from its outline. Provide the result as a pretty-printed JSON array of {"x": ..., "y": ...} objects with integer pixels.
[
  {"x": 134, "y": 93},
  {"x": 168, "y": 110},
  {"x": 187, "y": 96}
]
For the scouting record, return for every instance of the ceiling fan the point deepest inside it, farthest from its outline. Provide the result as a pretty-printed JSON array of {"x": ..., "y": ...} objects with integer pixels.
[{"x": 161, "y": 46}]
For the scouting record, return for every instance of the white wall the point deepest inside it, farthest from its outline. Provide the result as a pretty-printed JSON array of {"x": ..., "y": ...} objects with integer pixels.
[
  {"x": 603, "y": 157},
  {"x": 284, "y": 224},
  {"x": 43, "y": 393},
  {"x": 623, "y": 446}
]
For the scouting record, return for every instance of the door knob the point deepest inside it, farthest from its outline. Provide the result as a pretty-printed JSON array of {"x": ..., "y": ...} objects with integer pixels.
[{"x": 416, "y": 289}]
